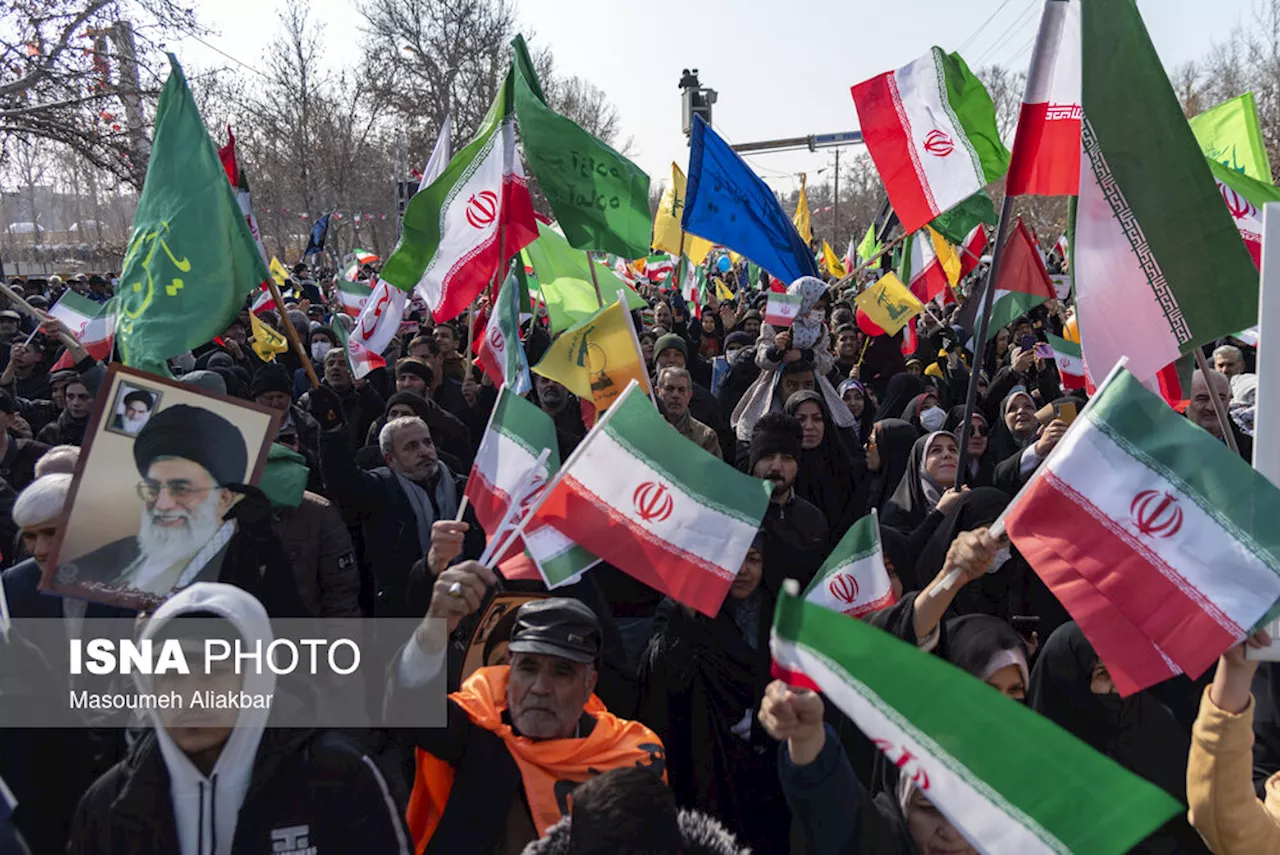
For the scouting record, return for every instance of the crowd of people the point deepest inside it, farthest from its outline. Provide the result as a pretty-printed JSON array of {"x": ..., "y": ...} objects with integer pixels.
[{"x": 618, "y": 720}]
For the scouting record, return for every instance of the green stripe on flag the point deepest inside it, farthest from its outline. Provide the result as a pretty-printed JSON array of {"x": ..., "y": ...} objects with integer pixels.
[
  {"x": 971, "y": 109},
  {"x": 996, "y": 745},
  {"x": 1229, "y": 490},
  {"x": 861, "y": 541},
  {"x": 638, "y": 427},
  {"x": 525, "y": 424},
  {"x": 1061, "y": 345}
]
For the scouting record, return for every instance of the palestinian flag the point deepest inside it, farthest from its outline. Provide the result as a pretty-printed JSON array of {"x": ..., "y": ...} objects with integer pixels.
[
  {"x": 518, "y": 431},
  {"x": 360, "y": 359},
  {"x": 501, "y": 355},
  {"x": 1066, "y": 355},
  {"x": 979, "y": 758},
  {"x": 935, "y": 267},
  {"x": 782, "y": 309},
  {"x": 1022, "y": 283},
  {"x": 664, "y": 511},
  {"x": 853, "y": 580},
  {"x": 93, "y": 325},
  {"x": 972, "y": 250},
  {"x": 460, "y": 232},
  {"x": 352, "y": 296},
  {"x": 1133, "y": 522},
  {"x": 931, "y": 129},
  {"x": 1046, "y": 149},
  {"x": 363, "y": 257},
  {"x": 1244, "y": 198},
  {"x": 1158, "y": 264}
]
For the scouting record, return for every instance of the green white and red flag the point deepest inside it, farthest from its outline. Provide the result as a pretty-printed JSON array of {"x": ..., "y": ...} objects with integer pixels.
[
  {"x": 1158, "y": 264},
  {"x": 663, "y": 510},
  {"x": 363, "y": 257},
  {"x": 929, "y": 278},
  {"x": 360, "y": 359},
  {"x": 1046, "y": 148},
  {"x": 352, "y": 296},
  {"x": 979, "y": 758},
  {"x": 1244, "y": 197},
  {"x": 853, "y": 580},
  {"x": 971, "y": 250},
  {"x": 468, "y": 224},
  {"x": 1070, "y": 362},
  {"x": 931, "y": 129},
  {"x": 517, "y": 433},
  {"x": 1159, "y": 541},
  {"x": 378, "y": 321},
  {"x": 781, "y": 310},
  {"x": 501, "y": 355},
  {"x": 93, "y": 324}
]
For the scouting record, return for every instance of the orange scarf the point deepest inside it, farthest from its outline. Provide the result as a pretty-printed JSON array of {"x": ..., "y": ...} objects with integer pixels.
[{"x": 543, "y": 764}]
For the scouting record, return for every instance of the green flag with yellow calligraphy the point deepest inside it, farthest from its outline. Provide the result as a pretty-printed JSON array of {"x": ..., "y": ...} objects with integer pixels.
[{"x": 191, "y": 259}]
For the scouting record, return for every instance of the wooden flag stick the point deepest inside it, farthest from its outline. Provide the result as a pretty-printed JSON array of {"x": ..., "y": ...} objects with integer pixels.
[
  {"x": 34, "y": 313},
  {"x": 873, "y": 259},
  {"x": 595, "y": 283},
  {"x": 292, "y": 334},
  {"x": 1224, "y": 420}
]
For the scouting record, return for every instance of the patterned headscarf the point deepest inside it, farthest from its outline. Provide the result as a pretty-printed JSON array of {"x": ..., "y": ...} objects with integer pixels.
[{"x": 807, "y": 327}]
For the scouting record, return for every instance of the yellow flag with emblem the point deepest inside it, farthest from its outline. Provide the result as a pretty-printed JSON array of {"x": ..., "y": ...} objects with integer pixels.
[
  {"x": 829, "y": 260},
  {"x": 722, "y": 290},
  {"x": 265, "y": 341},
  {"x": 889, "y": 304},
  {"x": 596, "y": 358},
  {"x": 947, "y": 256},
  {"x": 801, "y": 219},
  {"x": 666, "y": 223},
  {"x": 278, "y": 272}
]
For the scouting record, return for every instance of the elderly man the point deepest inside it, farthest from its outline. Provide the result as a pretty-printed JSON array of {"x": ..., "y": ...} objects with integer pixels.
[
  {"x": 671, "y": 351},
  {"x": 361, "y": 404},
  {"x": 675, "y": 391},
  {"x": 137, "y": 410},
  {"x": 520, "y": 737},
  {"x": 186, "y": 456},
  {"x": 1229, "y": 360},
  {"x": 1201, "y": 410},
  {"x": 396, "y": 504}
]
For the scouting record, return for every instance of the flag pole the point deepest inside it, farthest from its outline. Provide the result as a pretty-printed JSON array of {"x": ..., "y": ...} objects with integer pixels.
[
  {"x": 980, "y": 342},
  {"x": 66, "y": 338},
  {"x": 1224, "y": 420},
  {"x": 1266, "y": 426},
  {"x": 503, "y": 537},
  {"x": 840, "y": 283},
  {"x": 292, "y": 334},
  {"x": 595, "y": 283},
  {"x": 635, "y": 339}
]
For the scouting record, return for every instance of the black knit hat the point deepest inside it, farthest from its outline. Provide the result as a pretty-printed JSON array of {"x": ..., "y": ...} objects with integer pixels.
[
  {"x": 271, "y": 378},
  {"x": 196, "y": 434},
  {"x": 775, "y": 433}
]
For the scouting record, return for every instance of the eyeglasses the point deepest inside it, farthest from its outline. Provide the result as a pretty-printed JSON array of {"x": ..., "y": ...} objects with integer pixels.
[{"x": 180, "y": 491}]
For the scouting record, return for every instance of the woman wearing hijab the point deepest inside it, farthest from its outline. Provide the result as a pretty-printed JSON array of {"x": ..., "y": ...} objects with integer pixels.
[
  {"x": 924, "y": 414},
  {"x": 1002, "y": 592},
  {"x": 854, "y": 395},
  {"x": 903, "y": 389},
  {"x": 830, "y": 476},
  {"x": 1016, "y": 427},
  {"x": 926, "y": 490},
  {"x": 1032, "y": 441},
  {"x": 997, "y": 355},
  {"x": 1071, "y": 687},
  {"x": 708, "y": 336},
  {"x": 978, "y": 460},
  {"x": 989, "y": 649},
  {"x": 888, "y": 451},
  {"x": 701, "y": 680}
]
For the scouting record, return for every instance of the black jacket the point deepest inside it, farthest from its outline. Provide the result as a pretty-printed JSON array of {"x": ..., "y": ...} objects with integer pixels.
[
  {"x": 305, "y": 783},
  {"x": 700, "y": 835},
  {"x": 797, "y": 541},
  {"x": 18, "y": 466}
]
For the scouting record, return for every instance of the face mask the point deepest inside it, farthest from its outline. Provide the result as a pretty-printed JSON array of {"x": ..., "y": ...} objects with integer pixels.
[
  {"x": 933, "y": 419},
  {"x": 319, "y": 349}
]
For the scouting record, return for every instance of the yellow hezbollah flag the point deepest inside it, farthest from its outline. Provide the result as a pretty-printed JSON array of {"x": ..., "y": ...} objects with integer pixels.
[
  {"x": 278, "y": 272},
  {"x": 833, "y": 265},
  {"x": 265, "y": 341},
  {"x": 801, "y": 219},
  {"x": 666, "y": 223},
  {"x": 722, "y": 290},
  {"x": 947, "y": 256},
  {"x": 889, "y": 304},
  {"x": 596, "y": 358}
]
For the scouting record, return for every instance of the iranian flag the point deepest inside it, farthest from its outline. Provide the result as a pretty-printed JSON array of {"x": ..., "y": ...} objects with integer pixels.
[
  {"x": 363, "y": 257},
  {"x": 1159, "y": 541},
  {"x": 378, "y": 322},
  {"x": 501, "y": 356},
  {"x": 360, "y": 359},
  {"x": 518, "y": 432},
  {"x": 352, "y": 296},
  {"x": 1066, "y": 355},
  {"x": 1244, "y": 198},
  {"x": 658, "y": 267},
  {"x": 663, "y": 510},
  {"x": 972, "y": 249},
  {"x": 351, "y": 273},
  {"x": 1022, "y": 283},
  {"x": 1046, "y": 148},
  {"x": 853, "y": 580},
  {"x": 979, "y": 758},
  {"x": 1063, "y": 246},
  {"x": 93, "y": 324},
  {"x": 935, "y": 267},
  {"x": 462, "y": 230},
  {"x": 782, "y": 309},
  {"x": 1158, "y": 263},
  {"x": 931, "y": 129}
]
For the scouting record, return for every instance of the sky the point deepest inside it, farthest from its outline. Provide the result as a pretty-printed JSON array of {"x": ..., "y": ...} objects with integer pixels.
[{"x": 781, "y": 70}]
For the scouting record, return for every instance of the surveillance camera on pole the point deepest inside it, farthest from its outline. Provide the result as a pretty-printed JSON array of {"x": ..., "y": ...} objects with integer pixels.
[{"x": 695, "y": 99}]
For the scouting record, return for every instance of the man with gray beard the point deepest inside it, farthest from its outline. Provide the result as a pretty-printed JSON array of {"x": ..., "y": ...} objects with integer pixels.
[{"x": 187, "y": 456}]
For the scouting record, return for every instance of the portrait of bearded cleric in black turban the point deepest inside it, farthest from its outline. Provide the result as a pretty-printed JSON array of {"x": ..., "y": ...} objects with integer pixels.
[{"x": 164, "y": 492}]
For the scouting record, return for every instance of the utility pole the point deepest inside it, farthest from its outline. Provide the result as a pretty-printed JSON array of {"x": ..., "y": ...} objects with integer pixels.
[
  {"x": 121, "y": 33},
  {"x": 835, "y": 231}
]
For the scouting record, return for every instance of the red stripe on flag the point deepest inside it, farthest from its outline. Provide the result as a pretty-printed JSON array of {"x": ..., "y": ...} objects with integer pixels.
[
  {"x": 519, "y": 568},
  {"x": 890, "y": 146},
  {"x": 1163, "y": 606},
  {"x": 791, "y": 677},
  {"x": 930, "y": 283},
  {"x": 1046, "y": 153},
  {"x": 489, "y": 502},
  {"x": 593, "y": 524}
]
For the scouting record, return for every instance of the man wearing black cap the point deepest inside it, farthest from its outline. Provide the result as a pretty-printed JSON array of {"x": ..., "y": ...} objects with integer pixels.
[
  {"x": 10, "y": 322},
  {"x": 796, "y": 532},
  {"x": 520, "y": 737},
  {"x": 273, "y": 389},
  {"x": 186, "y": 456}
]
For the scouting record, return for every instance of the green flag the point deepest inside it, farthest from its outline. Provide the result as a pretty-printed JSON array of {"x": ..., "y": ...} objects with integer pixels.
[
  {"x": 955, "y": 225},
  {"x": 600, "y": 199},
  {"x": 191, "y": 259},
  {"x": 564, "y": 279},
  {"x": 869, "y": 246},
  {"x": 1230, "y": 134}
]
